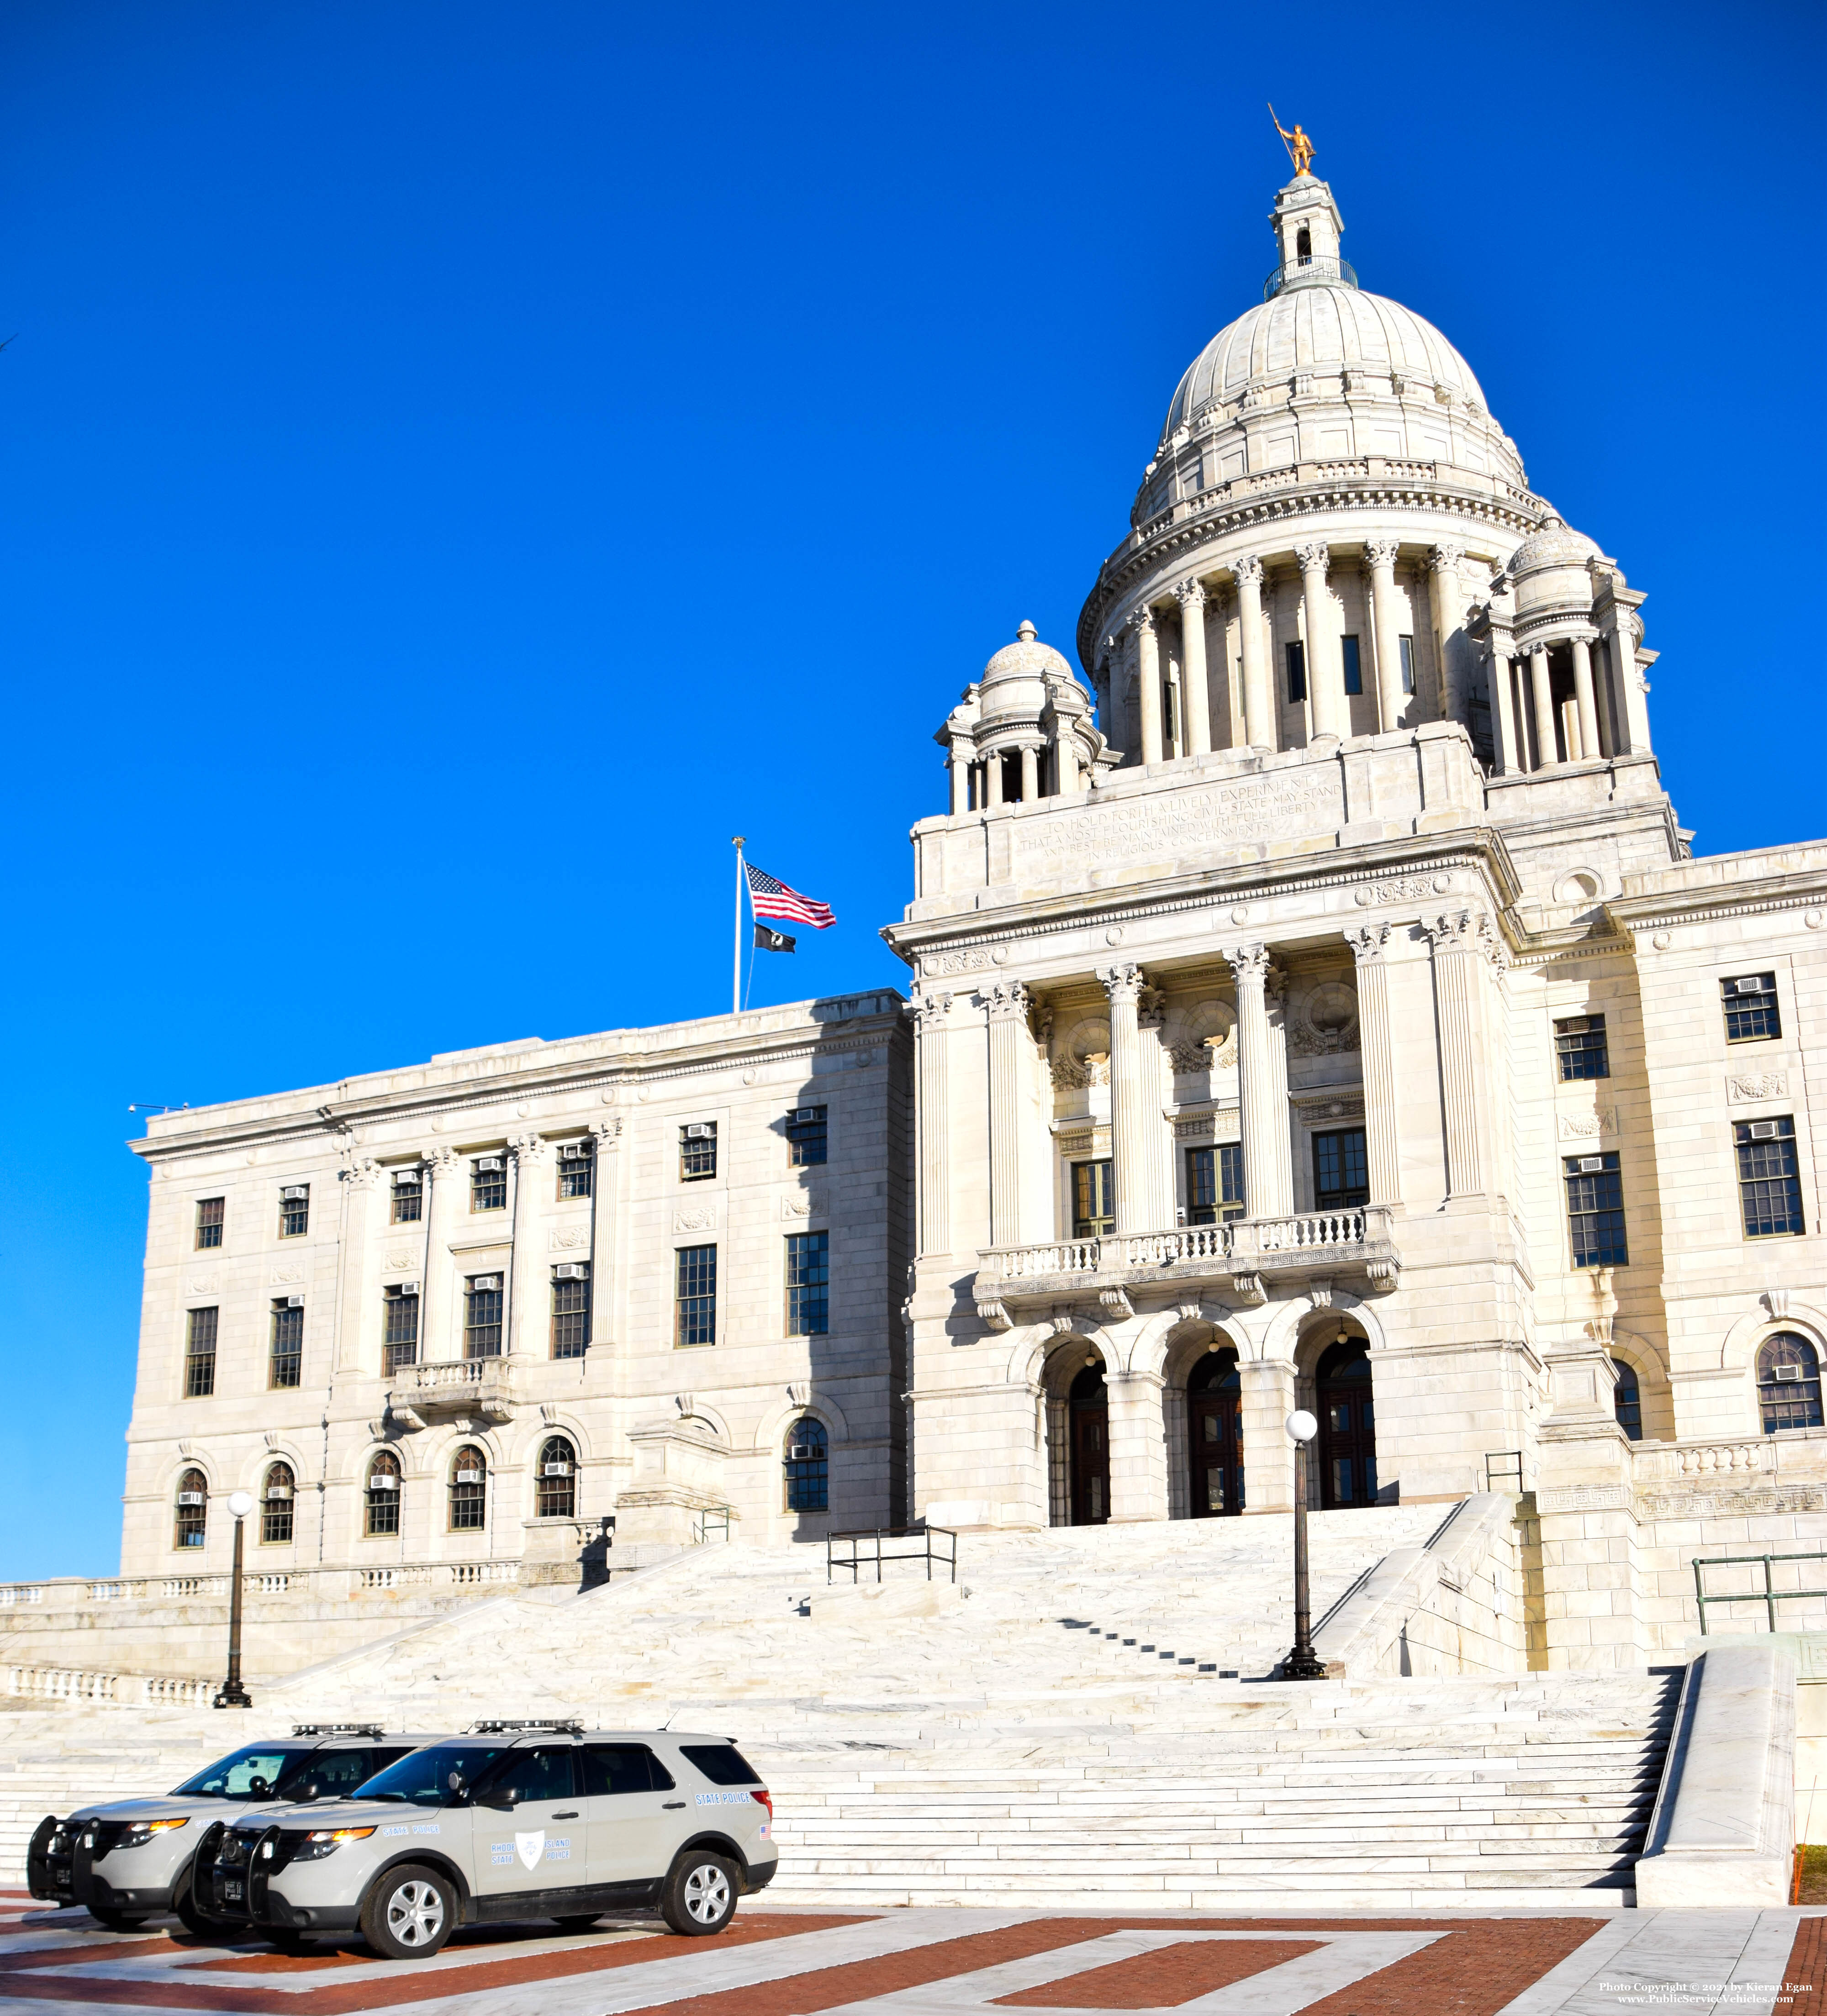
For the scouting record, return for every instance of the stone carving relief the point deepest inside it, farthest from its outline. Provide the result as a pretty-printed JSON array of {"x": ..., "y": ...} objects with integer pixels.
[
  {"x": 399, "y": 1262},
  {"x": 1325, "y": 1022},
  {"x": 796, "y": 1205},
  {"x": 1401, "y": 889},
  {"x": 567, "y": 1238},
  {"x": 287, "y": 1277},
  {"x": 695, "y": 1217},
  {"x": 1081, "y": 1057},
  {"x": 1282, "y": 807},
  {"x": 201, "y": 1284},
  {"x": 974, "y": 958},
  {"x": 1588, "y": 1126},
  {"x": 1207, "y": 1040},
  {"x": 1743, "y": 1089}
]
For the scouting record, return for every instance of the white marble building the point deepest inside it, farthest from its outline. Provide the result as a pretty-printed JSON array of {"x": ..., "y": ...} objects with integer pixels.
[{"x": 1320, "y": 1005}]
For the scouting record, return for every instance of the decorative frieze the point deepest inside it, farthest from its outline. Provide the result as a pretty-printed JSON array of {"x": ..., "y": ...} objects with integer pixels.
[{"x": 1746, "y": 1088}]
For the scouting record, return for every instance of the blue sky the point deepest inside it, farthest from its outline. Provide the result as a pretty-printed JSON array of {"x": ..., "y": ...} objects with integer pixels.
[{"x": 464, "y": 462}]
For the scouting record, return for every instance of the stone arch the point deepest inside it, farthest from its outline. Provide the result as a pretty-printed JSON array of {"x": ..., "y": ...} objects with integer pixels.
[
  {"x": 1061, "y": 1359},
  {"x": 774, "y": 1425},
  {"x": 1739, "y": 1348},
  {"x": 1034, "y": 1348},
  {"x": 1185, "y": 1338},
  {"x": 1656, "y": 1391},
  {"x": 1326, "y": 1324},
  {"x": 696, "y": 1410}
]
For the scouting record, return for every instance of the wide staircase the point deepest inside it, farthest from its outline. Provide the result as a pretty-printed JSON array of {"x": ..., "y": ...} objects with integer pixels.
[{"x": 1085, "y": 1714}]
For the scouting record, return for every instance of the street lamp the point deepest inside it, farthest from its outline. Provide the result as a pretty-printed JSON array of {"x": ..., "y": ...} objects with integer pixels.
[
  {"x": 233, "y": 1694},
  {"x": 1303, "y": 1663}
]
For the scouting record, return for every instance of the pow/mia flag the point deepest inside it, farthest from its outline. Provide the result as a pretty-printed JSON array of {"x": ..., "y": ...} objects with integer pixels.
[{"x": 769, "y": 940}]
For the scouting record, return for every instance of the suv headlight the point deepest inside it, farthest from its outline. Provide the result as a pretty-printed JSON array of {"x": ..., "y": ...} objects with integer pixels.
[
  {"x": 326, "y": 1841},
  {"x": 141, "y": 1831}
]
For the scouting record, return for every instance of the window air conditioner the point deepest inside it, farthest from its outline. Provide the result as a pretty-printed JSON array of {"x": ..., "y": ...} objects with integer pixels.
[
  {"x": 296, "y": 1190},
  {"x": 1587, "y": 1164},
  {"x": 571, "y": 1271},
  {"x": 488, "y": 1162},
  {"x": 573, "y": 1151},
  {"x": 1763, "y": 1130},
  {"x": 190, "y": 1497},
  {"x": 408, "y": 1287},
  {"x": 1789, "y": 1372},
  {"x": 701, "y": 1130},
  {"x": 557, "y": 1469},
  {"x": 383, "y": 1480},
  {"x": 407, "y": 1179},
  {"x": 277, "y": 1491},
  {"x": 483, "y": 1282},
  {"x": 1754, "y": 985},
  {"x": 294, "y": 1302},
  {"x": 468, "y": 1476},
  {"x": 809, "y": 1113}
]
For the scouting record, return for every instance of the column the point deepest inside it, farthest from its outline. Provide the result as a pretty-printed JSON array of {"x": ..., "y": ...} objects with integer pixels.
[
  {"x": 1444, "y": 595},
  {"x": 1539, "y": 686},
  {"x": 605, "y": 1179},
  {"x": 1155, "y": 1082},
  {"x": 1268, "y": 1178},
  {"x": 1326, "y": 673},
  {"x": 1457, "y": 949},
  {"x": 1386, "y": 633},
  {"x": 1115, "y": 733},
  {"x": 1381, "y": 1147},
  {"x": 1007, "y": 1005},
  {"x": 445, "y": 1177},
  {"x": 1147, "y": 682},
  {"x": 530, "y": 1282},
  {"x": 1504, "y": 723},
  {"x": 1130, "y": 1168},
  {"x": 1629, "y": 694},
  {"x": 931, "y": 1013},
  {"x": 1196, "y": 731},
  {"x": 365, "y": 1185},
  {"x": 960, "y": 770},
  {"x": 1030, "y": 775},
  {"x": 1259, "y": 710},
  {"x": 1065, "y": 759},
  {"x": 1590, "y": 744},
  {"x": 992, "y": 776}
]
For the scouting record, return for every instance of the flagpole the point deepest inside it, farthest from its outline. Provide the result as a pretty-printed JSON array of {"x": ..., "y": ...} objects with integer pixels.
[{"x": 735, "y": 983}]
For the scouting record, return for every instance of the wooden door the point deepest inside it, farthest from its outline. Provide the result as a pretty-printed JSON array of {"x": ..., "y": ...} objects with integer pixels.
[
  {"x": 1348, "y": 1427},
  {"x": 1090, "y": 1410},
  {"x": 1214, "y": 1406}
]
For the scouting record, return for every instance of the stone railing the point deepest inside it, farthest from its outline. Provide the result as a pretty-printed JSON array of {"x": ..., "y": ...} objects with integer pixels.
[
  {"x": 1292, "y": 1235},
  {"x": 64, "y": 1593},
  {"x": 132, "y": 1689},
  {"x": 464, "y": 1385}
]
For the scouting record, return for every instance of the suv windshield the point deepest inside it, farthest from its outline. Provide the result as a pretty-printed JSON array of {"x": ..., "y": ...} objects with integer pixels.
[
  {"x": 244, "y": 1774},
  {"x": 424, "y": 1779}
]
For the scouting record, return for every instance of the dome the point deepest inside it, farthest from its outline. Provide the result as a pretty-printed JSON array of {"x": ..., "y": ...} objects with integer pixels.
[
  {"x": 1015, "y": 681},
  {"x": 1557, "y": 545},
  {"x": 1553, "y": 582},
  {"x": 1321, "y": 329}
]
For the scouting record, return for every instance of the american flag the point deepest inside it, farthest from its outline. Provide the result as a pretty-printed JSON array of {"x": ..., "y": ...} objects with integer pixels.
[{"x": 769, "y": 898}]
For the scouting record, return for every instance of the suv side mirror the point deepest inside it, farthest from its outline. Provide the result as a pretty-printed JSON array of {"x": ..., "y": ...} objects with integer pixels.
[{"x": 456, "y": 1783}]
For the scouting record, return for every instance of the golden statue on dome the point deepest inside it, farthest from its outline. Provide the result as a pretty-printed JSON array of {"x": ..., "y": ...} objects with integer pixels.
[{"x": 1300, "y": 149}]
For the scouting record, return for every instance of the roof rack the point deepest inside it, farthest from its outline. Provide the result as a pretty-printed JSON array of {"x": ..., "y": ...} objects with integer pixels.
[
  {"x": 495, "y": 1725},
  {"x": 337, "y": 1729}
]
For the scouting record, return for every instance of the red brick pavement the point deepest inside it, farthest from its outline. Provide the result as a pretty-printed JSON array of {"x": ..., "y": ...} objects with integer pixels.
[{"x": 1163, "y": 1979}]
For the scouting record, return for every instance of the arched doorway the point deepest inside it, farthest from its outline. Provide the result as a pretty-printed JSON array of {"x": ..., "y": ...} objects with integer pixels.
[
  {"x": 1214, "y": 1410},
  {"x": 1348, "y": 1426},
  {"x": 1088, "y": 1411}
]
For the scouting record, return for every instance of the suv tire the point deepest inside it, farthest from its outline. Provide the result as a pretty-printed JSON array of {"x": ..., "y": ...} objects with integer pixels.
[
  {"x": 410, "y": 1914},
  {"x": 194, "y": 1921},
  {"x": 701, "y": 1892}
]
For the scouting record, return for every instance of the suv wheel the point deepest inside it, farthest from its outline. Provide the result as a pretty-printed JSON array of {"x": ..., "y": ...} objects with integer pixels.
[
  {"x": 410, "y": 1914},
  {"x": 699, "y": 1895},
  {"x": 194, "y": 1922}
]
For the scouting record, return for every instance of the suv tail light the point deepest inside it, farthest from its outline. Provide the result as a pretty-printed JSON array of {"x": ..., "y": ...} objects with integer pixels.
[{"x": 764, "y": 1798}]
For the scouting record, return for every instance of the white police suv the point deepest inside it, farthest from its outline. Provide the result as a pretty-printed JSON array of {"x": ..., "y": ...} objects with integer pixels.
[
  {"x": 136, "y": 1859},
  {"x": 516, "y": 1820}
]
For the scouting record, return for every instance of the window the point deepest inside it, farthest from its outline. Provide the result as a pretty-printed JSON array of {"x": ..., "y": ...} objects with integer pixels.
[
  {"x": 400, "y": 1345},
  {"x": 613, "y": 1768},
  {"x": 409, "y": 1196},
  {"x": 193, "y": 1507},
  {"x": 808, "y": 1284},
  {"x": 571, "y": 1310},
  {"x": 808, "y": 1467},
  {"x": 1595, "y": 1211},
  {"x": 806, "y": 1137},
  {"x": 1789, "y": 1382},
  {"x": 533, "y": 1777},
  {"x": 1353, "y": 665},
  {"x": 698, "y": 1295},
  {"x": 199, "y": 1354},
  {"x": 1751, "y": 1012},
  {"x": 1214, "y": 1183},
  {"x": 1296, "y": 656},
  {"x": 482, "y": 1316},
  {"x": 721, "y": 1763},
  {"x": 275, "y": 1506},
  {"x": 1093, "y": 1199},
  {"x": 1341, "y": 1173},
  {"x": 286, "y": 1359},
  {"x": 575, "y": 1167},
  {"x": 556, "y": 1492},
  {"x": 488, "y": 1183},
  {"x": 381, "y": 1508},
  {"x": 1581, "y": 1048},
  {"x": 469, "y": 1491},
  {"x": 1407, "y": 648},
  {"x": 1627, "y": 1401},
  {"x": 209, "y": 1222},
  {"x": 294, "y": 1210},
  {"x": 1303, "y": 247},
  {"x": 697, "y": 1151},
  {"x": 1770, "y": 1188}
]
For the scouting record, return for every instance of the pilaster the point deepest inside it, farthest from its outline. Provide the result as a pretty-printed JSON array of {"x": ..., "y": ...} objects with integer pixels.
[
  {"x": 932, "y": 1028},
  {"x": 1383, "y": 1147},
  {"x": 1006, "y": 1005},
  {"x": 438, "y": 1306},
  {"x": 1138, "y": 1448},
  {"x": 364, "y": 1186},
  {"x": 529, "y": 1283},
  {"x": 1268, "y": 1400},
  {"x": 1129, "y": 1166}
]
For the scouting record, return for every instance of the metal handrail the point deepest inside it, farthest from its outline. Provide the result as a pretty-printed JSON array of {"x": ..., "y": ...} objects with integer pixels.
[
  {"x": 858, "y": 1542},
  {"x": 1768, "y": 1595},
  {"x": 1333, "y": 272},
  {"x": 1504, "y": 1464},
  {"x": 712, "y": 1516}
]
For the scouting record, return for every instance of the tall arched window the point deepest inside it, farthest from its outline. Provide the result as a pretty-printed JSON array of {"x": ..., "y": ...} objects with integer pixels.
[
  {"x": 808, "y": 1467},
  {"x": 557, "y": 1497},
  {"x": 1303, "y": 247},
  {"x": 1789, "y": 1382},
  {"x": 1627, "y": 1401},
  {"x": 469, "y": 1491},
  {"x": 275, "y": 1506},
  {"x": 381, "y": 1508},
  {"x": 193, "y": 1509}
]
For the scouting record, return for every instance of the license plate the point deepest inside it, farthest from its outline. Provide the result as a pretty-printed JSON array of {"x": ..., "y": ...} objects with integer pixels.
[{"x": 234, "y": 1890}]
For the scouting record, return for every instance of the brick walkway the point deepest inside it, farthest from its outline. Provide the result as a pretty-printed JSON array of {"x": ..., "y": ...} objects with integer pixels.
[{"x": 957, "y": 1963}]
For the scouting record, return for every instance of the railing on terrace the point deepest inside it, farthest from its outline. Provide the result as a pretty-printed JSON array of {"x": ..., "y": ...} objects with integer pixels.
[
  {"x": 328, "y": 1584},
  {"x": 865, "y": 1549},
  {"x": 73, "y": 1684},
  {"x": 1243, "y": 1240},
  {"x": 1769, "y": 1595}
]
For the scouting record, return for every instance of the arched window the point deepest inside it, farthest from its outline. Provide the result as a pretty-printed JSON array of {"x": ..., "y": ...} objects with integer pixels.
[
  {"x": 469, "y": 1491},
  {"x": 193, "y": 1509},
  {"x": 275, "y": 1506},
  {"x": 809, "y": 1468},
  {"x": 1303, "y": 247},
  {"x": 1789, "y": 1382},
  {"x": 381, "y": 1507},
  {"x": 557, "y": 1492},
  {"x": 1627, "y": 1401},
  {"x": 1348, "y": 1429}
]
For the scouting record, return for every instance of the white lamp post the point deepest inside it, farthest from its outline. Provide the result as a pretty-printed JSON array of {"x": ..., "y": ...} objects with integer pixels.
[
  {"x": 233, "y": 1694},
  {"x": 1303, "y": 1663}
]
